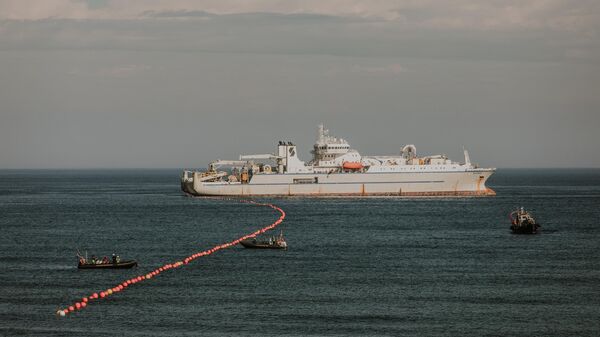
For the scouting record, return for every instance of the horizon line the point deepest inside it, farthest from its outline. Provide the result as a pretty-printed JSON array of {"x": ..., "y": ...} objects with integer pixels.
[{"x": 184, "y": 168}]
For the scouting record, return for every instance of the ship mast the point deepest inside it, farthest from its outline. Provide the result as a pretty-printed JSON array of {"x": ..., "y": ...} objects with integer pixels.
[{"x": 320, "y": 133}]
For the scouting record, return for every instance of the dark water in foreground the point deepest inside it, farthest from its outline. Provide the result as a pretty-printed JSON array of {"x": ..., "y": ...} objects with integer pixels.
[{"x": 374, "y": 266}]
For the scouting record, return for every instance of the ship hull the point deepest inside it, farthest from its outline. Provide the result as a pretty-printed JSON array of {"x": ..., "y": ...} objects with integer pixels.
[
  {"x": 525, "y": 229},
  {"x": 405, "y": 184},
  {"x": 116, "y": 265},
  {"x": 257, "y": 245}
]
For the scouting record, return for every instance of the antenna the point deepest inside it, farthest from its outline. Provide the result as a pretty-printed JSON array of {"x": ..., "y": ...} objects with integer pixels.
[
  {"x": 320, "y": 133},
  {"x": 467, "y": 158}
]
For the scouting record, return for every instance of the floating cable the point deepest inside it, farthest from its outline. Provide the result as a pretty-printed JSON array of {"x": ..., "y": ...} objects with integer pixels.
[{"x": 94, "y": 297}]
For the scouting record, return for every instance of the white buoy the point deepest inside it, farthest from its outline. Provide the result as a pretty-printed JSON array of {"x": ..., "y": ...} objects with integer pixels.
[{"x": 61, "y": 313}]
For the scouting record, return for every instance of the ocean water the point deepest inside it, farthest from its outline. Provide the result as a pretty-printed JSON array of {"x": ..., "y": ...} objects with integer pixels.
[{"x": 355, "y": 266}]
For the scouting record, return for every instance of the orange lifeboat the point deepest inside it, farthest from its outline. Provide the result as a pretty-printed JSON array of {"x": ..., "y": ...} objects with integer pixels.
[{"x": 352, "y": 165}]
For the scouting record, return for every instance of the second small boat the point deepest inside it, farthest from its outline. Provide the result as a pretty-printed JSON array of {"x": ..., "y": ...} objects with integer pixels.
[
  {"x": 273, "y": 242},
  {"x": 523, "y": 223},
  {"x": 105, "y": 263}
]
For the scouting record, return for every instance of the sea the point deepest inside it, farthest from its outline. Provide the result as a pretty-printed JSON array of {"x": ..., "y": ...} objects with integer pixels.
[{"x": 354, "y": 267}]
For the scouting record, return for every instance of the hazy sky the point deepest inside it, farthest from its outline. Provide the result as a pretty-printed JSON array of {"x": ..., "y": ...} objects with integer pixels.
[{"x": 177, "y": 83}]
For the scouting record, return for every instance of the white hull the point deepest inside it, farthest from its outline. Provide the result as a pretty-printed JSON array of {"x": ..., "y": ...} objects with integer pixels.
[{"x": 470, "y": 182}]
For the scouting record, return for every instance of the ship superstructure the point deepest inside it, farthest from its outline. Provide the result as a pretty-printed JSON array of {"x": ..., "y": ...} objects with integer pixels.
[{"x": 338, "y": 170}]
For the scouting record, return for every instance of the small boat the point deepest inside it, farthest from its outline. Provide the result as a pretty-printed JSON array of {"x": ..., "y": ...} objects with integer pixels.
[
  {"x": 115, "y": 263},
  {"x": 273, "y": 242},
  {"x": 523, "y": 223},
  {"x": 118, "y": 265}
]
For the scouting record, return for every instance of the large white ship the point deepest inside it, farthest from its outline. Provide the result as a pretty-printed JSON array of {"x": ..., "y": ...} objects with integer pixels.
[{"x": 338, "y": 170}]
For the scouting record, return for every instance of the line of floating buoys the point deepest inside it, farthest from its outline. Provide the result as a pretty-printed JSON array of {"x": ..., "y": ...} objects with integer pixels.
[{"x": 85, "y": 301}]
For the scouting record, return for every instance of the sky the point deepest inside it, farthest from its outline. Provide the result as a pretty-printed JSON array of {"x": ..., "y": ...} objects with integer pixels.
[{"x": 178, "y": 83}]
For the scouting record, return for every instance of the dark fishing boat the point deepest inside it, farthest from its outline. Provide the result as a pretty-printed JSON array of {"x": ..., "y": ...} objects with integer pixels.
[
  {"x": 119, "y": 265},
  {"x": 273, "y": 242},
  {"x": 523, "y": 223},
  {"x": 115, "y": 263}
]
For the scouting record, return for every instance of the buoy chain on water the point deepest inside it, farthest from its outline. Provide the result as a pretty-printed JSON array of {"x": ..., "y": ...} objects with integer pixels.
[{"x": 83, "y": 303}]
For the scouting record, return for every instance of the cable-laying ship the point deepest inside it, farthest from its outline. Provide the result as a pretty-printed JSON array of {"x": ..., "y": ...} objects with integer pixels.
[{"x": 338, "y": 170}]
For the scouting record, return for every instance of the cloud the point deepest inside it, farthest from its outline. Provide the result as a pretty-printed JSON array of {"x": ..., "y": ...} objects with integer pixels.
[
  {"x": 389, "y": 69},
  {"x": 182, "y": 13},
  {"x": 536, "y": 30},
  {"x": 560, "y": 15},
  {"x": 116, "y": 71},
  {"x": 375, "y": 69},
  {"x": 21, "y": 10}
]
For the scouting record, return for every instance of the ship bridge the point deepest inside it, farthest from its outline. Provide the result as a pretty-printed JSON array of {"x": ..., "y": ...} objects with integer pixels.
[{"x": 330, "y": 151}]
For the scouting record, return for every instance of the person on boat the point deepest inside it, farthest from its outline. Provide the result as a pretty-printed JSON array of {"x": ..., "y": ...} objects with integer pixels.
[
  {"x": 94, "y": 260},
  {"x": 118, "y": 259},
  {"x": 114, "y": 258},
  {"x": 105, "y": 259}
]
